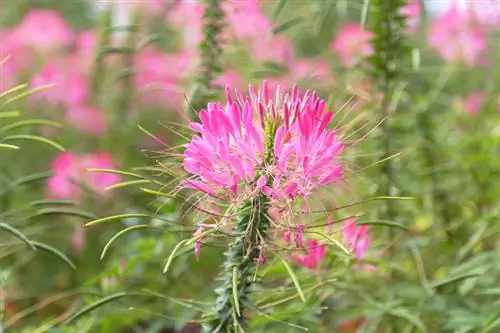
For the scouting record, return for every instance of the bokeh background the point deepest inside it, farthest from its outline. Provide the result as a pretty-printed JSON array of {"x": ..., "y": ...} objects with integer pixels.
[{"x": 114, "y": 82}]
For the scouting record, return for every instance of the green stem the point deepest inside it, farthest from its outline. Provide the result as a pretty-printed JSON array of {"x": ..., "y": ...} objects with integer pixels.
[
  {"x": 210, "y": 53},
  {"x": 239, "y": 267}
]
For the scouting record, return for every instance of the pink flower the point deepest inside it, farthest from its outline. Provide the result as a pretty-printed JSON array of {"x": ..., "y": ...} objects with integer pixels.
[
  {"x": 70, "y": 86},
  {"x": 78, "y": 238},
  {"x": 277, "y": 49},
  {"x": 159, "y": 76},
  {"x": 232, "y": 146},
  {"x": 88, "y": 119},
  {"x": 457, "y": 36},
  {"x": 188, "y": 15},
  {"x": 356, "y": 237},
  {"x": 246, "y": 19},
  {"x": 70, "y": 171},
  {"x": 352, "y": 43},
  {"x": 298, "y": 236},
  {"x": 474, "y": 102},
  {"x": 412, "y": 12},
  {"x": 313, "y": 256},
  {"x": 312, "y": 71},
  {"x": 231, "y": 78},
  {"x": 44, "y": 30},
  {"x": 197, "y": 247}
]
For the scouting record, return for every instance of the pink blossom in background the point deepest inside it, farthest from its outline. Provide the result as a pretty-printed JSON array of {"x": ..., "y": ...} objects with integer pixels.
[
  {"x": 352, "y": 43},
  {"x": 66, "y": 172},
  {"x": 13, "y": 58},
  {"x": 298, "y": 235},
  {"x": 85, "y": 49},
  {"x": 188, "y": 15},
  {"x": 159, "y": 75},
  {"x": 312, "y": 70},
  {"x": 313, "y": 256},
  {"x": 457, "y": 36},
  {"x": 44, "y": 30},
  {"x": 474, "y": 102},
  {"x": 95, "y": 180},
  {"x": 412, "y": 11},
  {"x": 356, "y": 237},
  {"x": 87, "y": 119},
  {"x": 276, "y": 49},
  {"x": 231, "y": 78},
  {"x": 78, "y": 238},
  {"x": 70, "y": 170},
  {"x": 70, "y": 88},
  {"x": 246, "y": 19}
]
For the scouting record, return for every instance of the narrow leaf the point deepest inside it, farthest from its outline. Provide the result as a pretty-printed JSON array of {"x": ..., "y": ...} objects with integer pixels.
[
  {"x": 97, "y": 305},
  {"x": 10, "y": 114},
  {"x": 171, "y": 257},
  {"x": 116, "y": 172},
  {"x": 121, "y": 233},
  {"x": 454, "y": 279},
  {"x": 7, "y": 146},
  {"x": 382, "y": 223},
  {"x": 54, "y": 251},
  {"x": 18, "y": 234},
  {"x": 113, "y": 218},
  {"x": 235, "y": 291},
  {"x": 13, "y": 89},
  {"x": 128, "y": 183},
  {"x": 26, "y": 94},
  {"x": 294, "y": 279},
  {"x": 334, "y": 241},
  {"x": 29, "y": 122},
  {"x": 405, "y": 314},
  {"x": 287, "y": 25},
  {"x": 34, "y": 138},
  {"x": 65, "y": 211}
]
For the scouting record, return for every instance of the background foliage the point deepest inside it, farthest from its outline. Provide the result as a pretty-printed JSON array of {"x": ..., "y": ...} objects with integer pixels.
[{"x": 421, "y": 123}]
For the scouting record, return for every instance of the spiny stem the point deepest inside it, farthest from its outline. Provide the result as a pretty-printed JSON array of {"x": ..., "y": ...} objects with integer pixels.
[
  {"x": 210, "y": 53},
  {"x": 388, "y": 24},
  {"x": 239, "y": 267}
]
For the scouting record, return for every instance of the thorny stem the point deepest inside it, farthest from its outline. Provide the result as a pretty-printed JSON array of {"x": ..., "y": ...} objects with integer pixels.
[
  {"x": 210, "y": 53},
  {"x": 239, "y": 267},
  {"x": 388, "y": 24}
]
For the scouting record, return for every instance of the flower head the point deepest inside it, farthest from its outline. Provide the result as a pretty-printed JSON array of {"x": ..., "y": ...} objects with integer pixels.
[
  {"x": 352, "y": 43},
  {"x": 280, "y": 146},
  {"x": 44, "y": 30},
  {"x": 457, "y": 36},
  {"x": 474, "y": 102},
  {"x": 313, "y": 256},
  {"x": 356, "y": 237},
  {"x": 70, "y": 170}
]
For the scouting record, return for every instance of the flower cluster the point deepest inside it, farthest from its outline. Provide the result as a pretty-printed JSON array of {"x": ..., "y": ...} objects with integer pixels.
[{"x": 279, "y": 146}]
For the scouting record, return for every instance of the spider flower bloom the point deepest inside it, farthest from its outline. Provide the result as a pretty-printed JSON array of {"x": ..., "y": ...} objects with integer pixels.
[
  {"x": 313, "y": 256},
  {"x": 280, "y": 146},
  {"x": 412, "y": 12},
  {"x": 44, "y": 30},
  {"x": 457, "y": 36},
  {"x": 474, "y": 102},
  {"x": 352, "y": 43},
  {"x": 356, "y": 237}
]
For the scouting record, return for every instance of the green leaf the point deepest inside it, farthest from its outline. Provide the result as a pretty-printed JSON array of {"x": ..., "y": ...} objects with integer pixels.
[
  {"x": 288, "y": 24},
  {"x": 65, "y": 211},
  {"x": 7, "y": 146},
  {"x": 334, "y": 241},
  {"x": 121, "y": 233},
  {"x": 26, "y": 94},
  {"x": 382, "y": 223},
  {"x": 492, "y": 325},
  {"x": 18, "y": 234},
  {"x": 10, "y": 114},
  {"x": 405, "y": 314},
  {"x": 453, "y": 279},
  {"x": 29, "y": 122},
  {"x": 113, "y": 218},
  {"x": 13, "y": 89},
  {"x": 97, "y": 305},
  {"x": 116, "y": 172},
  {"x": 54, "y": 251},
  {"x": 128, "y": 183},
  {"x": 172, "y": 254},
  {"x": 294, "y": 279},
  {"x": 235, "y": 291},
  {"x": 277, "y": 8},
  {"x": 34, "y": 138}
]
